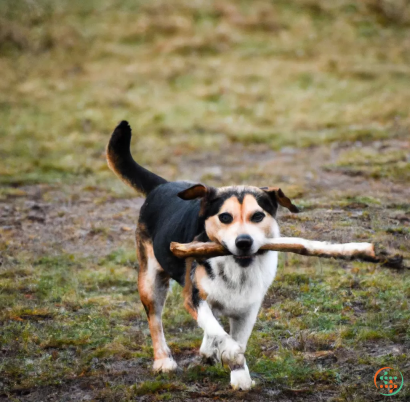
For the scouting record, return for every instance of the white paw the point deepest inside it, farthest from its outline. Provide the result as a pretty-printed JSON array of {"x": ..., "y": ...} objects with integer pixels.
[
  {"x": 206, "y": 346},
  {"x": 241, "y": 379},
  {"x": 165, "y": 365},
  {"x": 230, "y": 351},
  {"x": 208, "y": 350}
]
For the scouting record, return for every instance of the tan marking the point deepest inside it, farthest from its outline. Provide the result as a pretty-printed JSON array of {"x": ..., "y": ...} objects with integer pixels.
[
  {"x": 215, "y": 229},
  {"x": 212, "y": 228},
  {"x": 142, "y": 239},
  {"x": 250, "y": 206},
  {"x": 150, "y": 252},
  {"x": 200, "y": 274},
  {"x": 242, "y": 214},
  {"x": 187, "y": 290},
  {"x": 232, "y": 206},
  {"x": 158, "y": 340},
  {"x": 152, "y": 285}
]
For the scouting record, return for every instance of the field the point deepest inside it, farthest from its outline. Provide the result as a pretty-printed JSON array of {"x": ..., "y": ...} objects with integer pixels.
[{"x": 311, "y": 95}]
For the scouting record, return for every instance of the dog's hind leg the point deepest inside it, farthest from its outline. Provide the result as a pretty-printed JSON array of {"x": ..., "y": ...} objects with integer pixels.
[{"x": 153, "y": 285}]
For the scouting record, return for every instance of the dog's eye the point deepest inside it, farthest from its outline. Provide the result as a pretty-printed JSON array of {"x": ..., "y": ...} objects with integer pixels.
[
  {"x": 257, "y": 217},
  {"x": 225, "y": 218}
]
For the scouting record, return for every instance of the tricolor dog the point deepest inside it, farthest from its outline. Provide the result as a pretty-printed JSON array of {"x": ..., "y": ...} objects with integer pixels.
[{"x": 240, "y": 218}]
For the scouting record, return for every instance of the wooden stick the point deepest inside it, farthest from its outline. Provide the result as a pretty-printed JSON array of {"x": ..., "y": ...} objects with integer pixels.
[{"x": 346, "y": 251}]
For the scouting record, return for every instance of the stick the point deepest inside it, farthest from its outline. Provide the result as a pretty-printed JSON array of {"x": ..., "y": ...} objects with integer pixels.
[{"x": 347, "y": 251}]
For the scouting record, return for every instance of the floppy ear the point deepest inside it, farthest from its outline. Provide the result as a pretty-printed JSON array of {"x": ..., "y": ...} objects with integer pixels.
[
  {"x": 196, "y": 191},
  {"x": 281, "y": 198}
]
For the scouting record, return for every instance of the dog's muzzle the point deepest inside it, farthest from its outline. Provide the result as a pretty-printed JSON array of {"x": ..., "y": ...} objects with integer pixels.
[{"x": 244, "y": 243}]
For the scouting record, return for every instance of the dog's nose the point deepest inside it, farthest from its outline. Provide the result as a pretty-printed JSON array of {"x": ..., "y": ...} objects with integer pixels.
[{"x": 244, "y": 242}]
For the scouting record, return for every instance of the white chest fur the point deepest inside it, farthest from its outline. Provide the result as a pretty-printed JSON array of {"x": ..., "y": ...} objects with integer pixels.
[{"x": 234, "y": 289}]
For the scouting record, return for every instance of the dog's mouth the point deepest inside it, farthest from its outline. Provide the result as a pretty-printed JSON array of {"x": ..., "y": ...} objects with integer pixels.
[
  {"x": 244, "y": 257},
  {"x": 246, "y": 260}
]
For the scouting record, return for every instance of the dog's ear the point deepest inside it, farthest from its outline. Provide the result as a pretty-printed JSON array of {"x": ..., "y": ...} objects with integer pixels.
[
  {"x": 196, "y": 191},
  {"x": 280, "y": 197}
]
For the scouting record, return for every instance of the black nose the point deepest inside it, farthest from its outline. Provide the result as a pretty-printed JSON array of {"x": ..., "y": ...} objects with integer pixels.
[{"x": 244, "y": 242}]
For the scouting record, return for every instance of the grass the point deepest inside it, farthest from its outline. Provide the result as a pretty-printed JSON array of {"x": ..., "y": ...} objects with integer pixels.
[
  {"x": 308, "y": 94},
  {"x": 86, "y": 317},
  {"x": 390, "y": 163}
]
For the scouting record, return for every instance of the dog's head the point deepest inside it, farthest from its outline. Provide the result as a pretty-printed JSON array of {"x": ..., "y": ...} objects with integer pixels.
[{"x": 240, "y": 218}]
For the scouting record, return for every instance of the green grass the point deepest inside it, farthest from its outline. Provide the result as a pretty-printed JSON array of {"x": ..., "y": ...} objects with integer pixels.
[
  {"x": 393, "y": 164},
  {"x": 67, "y": 328},
  {"x": 57, "y": 317}
]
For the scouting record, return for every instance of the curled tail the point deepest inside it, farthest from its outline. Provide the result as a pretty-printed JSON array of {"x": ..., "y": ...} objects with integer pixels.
[{"x": 120, "y": 161}]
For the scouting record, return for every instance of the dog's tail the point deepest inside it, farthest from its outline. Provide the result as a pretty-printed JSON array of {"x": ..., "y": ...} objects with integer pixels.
[{"x": 120, "y": 161}]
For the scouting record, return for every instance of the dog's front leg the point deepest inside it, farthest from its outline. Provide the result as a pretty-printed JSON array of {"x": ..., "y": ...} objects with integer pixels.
[
  {"x": 225, "y": 347},
  {"x": 217, "y": 343},
  {"x": 240, "y": 329}
]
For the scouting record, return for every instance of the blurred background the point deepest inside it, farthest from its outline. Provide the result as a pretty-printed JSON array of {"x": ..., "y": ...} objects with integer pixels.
[
  {"x": 309, "y": 95},
  {"x": 199, "y": 76}
]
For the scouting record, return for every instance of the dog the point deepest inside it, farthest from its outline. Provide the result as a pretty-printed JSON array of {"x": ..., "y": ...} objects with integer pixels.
[{"x": 240, "y": 218}]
